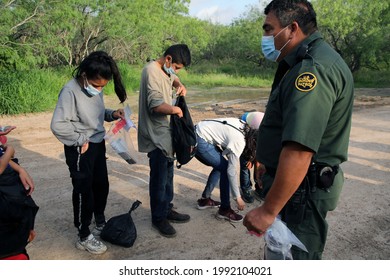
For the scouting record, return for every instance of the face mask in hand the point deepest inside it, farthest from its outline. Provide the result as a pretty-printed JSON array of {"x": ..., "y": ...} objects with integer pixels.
[
  {"x": 92, "y": 91},
  {"x": 268, "y": 46}
]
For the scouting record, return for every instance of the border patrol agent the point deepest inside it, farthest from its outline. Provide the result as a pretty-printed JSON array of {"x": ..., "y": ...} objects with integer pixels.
[{"x": 305, "y": 132}]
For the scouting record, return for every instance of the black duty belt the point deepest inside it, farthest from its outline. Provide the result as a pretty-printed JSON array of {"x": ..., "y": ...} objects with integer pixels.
[{"x": 320, "y": 175}]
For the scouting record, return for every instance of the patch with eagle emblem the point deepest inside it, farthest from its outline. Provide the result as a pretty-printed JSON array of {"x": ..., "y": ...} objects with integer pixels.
[{"x": 306, "y": 82}]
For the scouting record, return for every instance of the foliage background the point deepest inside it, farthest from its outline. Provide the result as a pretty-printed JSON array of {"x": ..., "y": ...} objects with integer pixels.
[{"x": 41, "y": 41}]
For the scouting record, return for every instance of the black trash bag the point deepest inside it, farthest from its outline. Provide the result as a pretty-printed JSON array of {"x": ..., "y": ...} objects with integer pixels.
[{"x": 120, "y": 230}]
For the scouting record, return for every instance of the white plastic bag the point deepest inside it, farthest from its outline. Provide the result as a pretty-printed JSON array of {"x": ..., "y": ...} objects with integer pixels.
[
  {"x": 119, "y": 138},
  {"x": 279, "y": 240}
]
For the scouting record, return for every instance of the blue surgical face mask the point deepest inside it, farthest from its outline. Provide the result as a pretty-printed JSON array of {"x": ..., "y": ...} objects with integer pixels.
[
  {"x": 91, "y": 90},
  {"x": 170, "y": 70},
  {"x": 268, "y": 46}
]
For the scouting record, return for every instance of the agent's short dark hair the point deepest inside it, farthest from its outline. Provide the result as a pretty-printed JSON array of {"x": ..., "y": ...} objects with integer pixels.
[
  {"x": 180, "y": 54},
  {"x": 288, "y": 11}
]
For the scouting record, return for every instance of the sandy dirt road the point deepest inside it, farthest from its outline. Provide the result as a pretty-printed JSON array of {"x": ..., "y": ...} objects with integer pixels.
[{"x": 359, "y": 227}]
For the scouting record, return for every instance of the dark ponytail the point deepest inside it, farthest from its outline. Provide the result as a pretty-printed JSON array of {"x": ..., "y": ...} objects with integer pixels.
[
  {"x": 118, "y": 85},
  {"x": 100, "y": 65}
]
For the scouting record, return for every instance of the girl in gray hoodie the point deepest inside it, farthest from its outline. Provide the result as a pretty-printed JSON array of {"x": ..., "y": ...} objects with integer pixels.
[{"x": 77, "y": 122}]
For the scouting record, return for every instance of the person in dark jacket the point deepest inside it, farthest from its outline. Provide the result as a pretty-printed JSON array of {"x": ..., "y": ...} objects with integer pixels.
[{"x": 17, "y": 208}]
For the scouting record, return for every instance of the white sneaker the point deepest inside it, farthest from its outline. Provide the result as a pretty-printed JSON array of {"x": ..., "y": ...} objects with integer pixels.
[
  {"x": 97, "y": 230},
  {"x": 92, "y": 245}
]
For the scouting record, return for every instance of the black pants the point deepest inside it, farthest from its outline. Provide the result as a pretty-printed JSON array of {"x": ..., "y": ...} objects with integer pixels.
[{"x": 90, "y": 184}]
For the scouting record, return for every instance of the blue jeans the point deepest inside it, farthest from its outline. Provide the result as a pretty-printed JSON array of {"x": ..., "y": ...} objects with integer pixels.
[
  {"x": 210, "y": 155},
  {"x": 245, "y": 176},
  {"x": 160, "y": 185},
  {"x": 213, "y": 180}
]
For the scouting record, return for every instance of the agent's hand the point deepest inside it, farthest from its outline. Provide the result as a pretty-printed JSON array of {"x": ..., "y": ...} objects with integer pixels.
[
  {"x": 119, "y": 113},
  {"x": 257, "y": 221}
]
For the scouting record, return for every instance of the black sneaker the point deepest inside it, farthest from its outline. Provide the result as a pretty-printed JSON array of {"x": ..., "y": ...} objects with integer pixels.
[
  {"x": 247, "y": 196},
  {"x": 229, "y": 214},
  {"x": 205, "y": 203},
  {"x": 175, "y": 217},
  {"x": 164, "y": 228}
]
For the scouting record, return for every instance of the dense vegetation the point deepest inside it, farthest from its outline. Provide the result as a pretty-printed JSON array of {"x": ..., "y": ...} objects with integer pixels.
[{"x": 41, "y": 42}]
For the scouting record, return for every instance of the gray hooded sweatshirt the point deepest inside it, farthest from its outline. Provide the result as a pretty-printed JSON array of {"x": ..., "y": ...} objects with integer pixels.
[{"x": 79, "y": 117}]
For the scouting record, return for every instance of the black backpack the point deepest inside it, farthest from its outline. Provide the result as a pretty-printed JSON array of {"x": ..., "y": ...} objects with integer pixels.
[{"x": 183, "y": 134}]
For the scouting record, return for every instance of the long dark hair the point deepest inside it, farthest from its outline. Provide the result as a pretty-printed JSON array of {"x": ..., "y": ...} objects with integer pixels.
[
  {"x": 249, "y": 153},
  {"x": 100, "y": 65}
]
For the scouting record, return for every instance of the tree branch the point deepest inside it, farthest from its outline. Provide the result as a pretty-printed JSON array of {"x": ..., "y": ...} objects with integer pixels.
[{"x": 28, "y": 18}]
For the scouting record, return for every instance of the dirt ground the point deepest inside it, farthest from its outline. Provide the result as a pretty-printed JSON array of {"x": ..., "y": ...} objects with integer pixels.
[{"x": 358, "y": 229}]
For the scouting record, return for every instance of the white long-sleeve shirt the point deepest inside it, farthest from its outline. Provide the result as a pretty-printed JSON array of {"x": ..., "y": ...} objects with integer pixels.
[{"x": 230, "y": 137}]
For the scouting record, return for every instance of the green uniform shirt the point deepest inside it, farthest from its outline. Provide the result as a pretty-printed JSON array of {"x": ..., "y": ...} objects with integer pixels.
[{"x": 311, "y": 105}]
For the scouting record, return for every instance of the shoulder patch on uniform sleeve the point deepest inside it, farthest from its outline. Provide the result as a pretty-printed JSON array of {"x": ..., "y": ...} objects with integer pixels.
[{"x": 306, "y": 81}]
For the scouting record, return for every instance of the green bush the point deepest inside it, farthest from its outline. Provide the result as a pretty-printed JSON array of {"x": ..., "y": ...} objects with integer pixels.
[
  {"x": 372, "y": 79},
  {"x": 131, "y": 75},
  {"x": 29, "y": 91},
  {"x": 228, "y": 73},
  {"x": 37, "y": 90}
]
